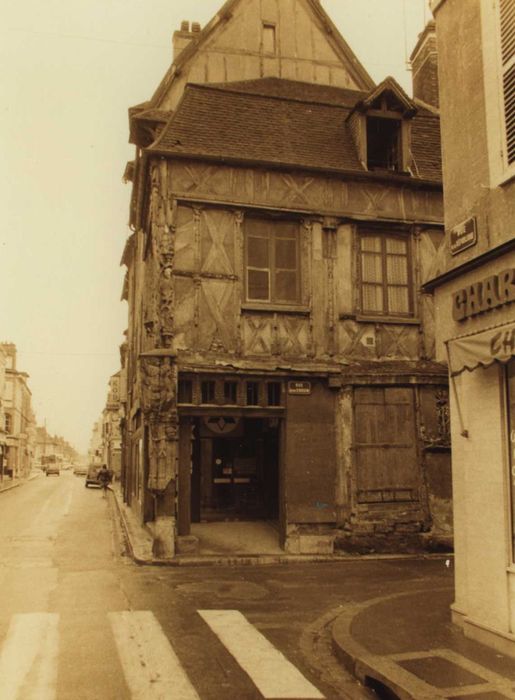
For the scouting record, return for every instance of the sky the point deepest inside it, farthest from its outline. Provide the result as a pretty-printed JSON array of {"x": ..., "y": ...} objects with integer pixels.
[{"x": 69, "y": 71}]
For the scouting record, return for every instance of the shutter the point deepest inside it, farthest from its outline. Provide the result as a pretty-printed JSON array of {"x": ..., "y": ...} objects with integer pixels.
[
  {"x": 385, "y": 445},
  {"x": 507, "y": 25}
]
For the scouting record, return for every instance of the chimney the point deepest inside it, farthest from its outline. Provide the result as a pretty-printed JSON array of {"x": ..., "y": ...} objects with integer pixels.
[
  {"x": 424, "y": 65},
  {"x": 183, "y": 36}
]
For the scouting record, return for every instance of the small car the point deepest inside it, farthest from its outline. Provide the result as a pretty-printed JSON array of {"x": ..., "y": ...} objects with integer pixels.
[
  {"x": 80, "y": 471},
  {"x": 52, "y": 469},
  {"x": 91, "y": 475}
]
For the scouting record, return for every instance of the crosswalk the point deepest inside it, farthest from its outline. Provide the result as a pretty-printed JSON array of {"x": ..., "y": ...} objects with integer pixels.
[{"x": 29, "y": 657}]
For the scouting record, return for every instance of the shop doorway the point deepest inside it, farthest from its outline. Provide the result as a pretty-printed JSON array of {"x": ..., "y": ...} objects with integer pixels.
[{"x": 235, "y": 470}]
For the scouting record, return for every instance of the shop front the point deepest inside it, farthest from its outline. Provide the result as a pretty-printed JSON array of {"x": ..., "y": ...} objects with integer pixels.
[
  {"x": 477, "y": 327},
  {"x": 257, "y": 448},
  {"x": 235, "y": 469}
]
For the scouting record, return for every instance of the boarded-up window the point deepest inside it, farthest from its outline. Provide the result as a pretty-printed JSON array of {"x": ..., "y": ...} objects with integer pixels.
[
  {"x": 272, "y": 261},
  {"x": 385, "y": 274},
  {"x": 385, "y": 444},
  {"x": 507, "y": 19},
  {"x": 269, "y": 38}
]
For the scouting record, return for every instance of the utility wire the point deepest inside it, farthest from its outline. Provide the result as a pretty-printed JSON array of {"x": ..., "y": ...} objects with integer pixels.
[{"x": 83, "y": 38}]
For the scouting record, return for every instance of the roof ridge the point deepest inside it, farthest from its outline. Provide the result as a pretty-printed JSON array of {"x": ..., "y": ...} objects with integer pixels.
[{"x": 284, "y": 98}]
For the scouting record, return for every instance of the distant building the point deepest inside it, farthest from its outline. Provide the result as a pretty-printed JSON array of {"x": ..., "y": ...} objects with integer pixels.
[
  {"x": 95, "y": 451},
  {"x": 18, "y": 416},
  {"x": 474, "y": 287},
  {"x": 52, "y": 448},
  {"x": 280, "y": 357},
  {"x": 111, "y": 436}
]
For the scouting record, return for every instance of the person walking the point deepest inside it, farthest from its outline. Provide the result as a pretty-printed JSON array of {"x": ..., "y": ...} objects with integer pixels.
[{"x": 104, "y": 478}]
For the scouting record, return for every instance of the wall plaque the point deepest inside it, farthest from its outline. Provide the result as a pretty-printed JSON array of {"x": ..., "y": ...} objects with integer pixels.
[
  {"x": 299, "y": 388},
  {"x": 463, "y": 236}
]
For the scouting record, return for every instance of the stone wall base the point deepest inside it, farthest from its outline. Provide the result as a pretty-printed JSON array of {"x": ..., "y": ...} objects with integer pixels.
[
  {"x": 306, "y": 539},
  {"x": 163, "y": 533},
  {"x": 503, "y": 642},
  {"x": 402, "y": 528},
  {"x": 187, "y": 544}
]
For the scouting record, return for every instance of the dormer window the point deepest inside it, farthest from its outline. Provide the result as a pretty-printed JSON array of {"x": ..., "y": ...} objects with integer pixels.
[
  {"x": 384, "y": 143},
  {"x": 381, "y": 127}
]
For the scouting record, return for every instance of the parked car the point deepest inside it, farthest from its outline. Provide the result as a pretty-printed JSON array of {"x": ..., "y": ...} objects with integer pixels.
[
  {"x": 80, "y": 471},
  {"x": 52, "y": 469},
  {"x": 91, "y": 475}
]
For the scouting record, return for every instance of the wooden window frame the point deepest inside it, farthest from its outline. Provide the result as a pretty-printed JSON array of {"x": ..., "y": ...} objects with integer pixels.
[
  {"x": 384, "y": 236},
  {"x": 271, "y": 236},
  {"x": 253, "y": 386},
  {"x": 185, "y": 390},
  {"x": 388, "y": 118},
  {"x": 228, "y": 385},
  {"x": 211, "y": 384},
  {"x": 271, "y": 388}
]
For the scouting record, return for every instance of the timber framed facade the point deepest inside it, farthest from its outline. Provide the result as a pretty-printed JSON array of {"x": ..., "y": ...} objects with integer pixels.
[{"x": 280, "y": 354}]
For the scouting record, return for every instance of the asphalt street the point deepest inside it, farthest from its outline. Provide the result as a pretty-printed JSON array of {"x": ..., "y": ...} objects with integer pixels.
[{"x": 79, "y": 620}]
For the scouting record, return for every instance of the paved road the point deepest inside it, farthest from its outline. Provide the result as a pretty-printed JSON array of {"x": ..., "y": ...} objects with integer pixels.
[{"x": 79, "y": 620}]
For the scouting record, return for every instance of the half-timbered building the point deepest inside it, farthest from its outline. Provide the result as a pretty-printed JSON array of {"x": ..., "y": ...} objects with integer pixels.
[{"x": 280, "y": 357}]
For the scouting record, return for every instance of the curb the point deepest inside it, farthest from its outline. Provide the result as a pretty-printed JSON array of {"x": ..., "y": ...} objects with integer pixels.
[
  {"x": 18, "y": 483},
  {"x": 142, "y": 553},
  {"x": 376, "y": 672}
]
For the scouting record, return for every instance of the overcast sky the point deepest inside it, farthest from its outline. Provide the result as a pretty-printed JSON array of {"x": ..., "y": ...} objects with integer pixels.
[{"x": 69, "y": 70}]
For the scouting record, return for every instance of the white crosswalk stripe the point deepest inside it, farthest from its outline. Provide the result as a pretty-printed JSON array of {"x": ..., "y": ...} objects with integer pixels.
[
  {"x": 271, "y": 672},
  {"x": 151, "y": 667},
  {"x": 28, "y": 661}
]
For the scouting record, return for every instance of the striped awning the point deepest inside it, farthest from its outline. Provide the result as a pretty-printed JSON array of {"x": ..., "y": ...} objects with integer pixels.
[{"x": 494, "y": 344}]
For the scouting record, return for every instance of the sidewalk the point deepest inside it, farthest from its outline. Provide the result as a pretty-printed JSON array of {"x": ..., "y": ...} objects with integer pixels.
[
  {"x": 8, "y": 484},
  {"x": 140, "y": 546},
  {"x": 405, "y": 646}
]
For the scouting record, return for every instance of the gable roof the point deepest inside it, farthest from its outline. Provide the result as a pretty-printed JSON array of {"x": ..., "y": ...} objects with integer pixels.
[
  {"x": 284, "y": 123},
  {"x": 339, "y": 44},
  {"x": 389, "y": 86}
]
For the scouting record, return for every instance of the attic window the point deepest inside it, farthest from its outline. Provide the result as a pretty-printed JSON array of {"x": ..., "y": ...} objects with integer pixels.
[
  {"x": 384, "y": 143},
  {"x": 269, "y": 39}
]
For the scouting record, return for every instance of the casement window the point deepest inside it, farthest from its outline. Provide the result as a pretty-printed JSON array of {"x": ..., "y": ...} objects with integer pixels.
[
  {"x": 507, "y": 38},
  {"x": 8, "y": 423},
  {"x": 385, "y": 276},
  {"x": 207, "y": 391},
  {"x": 272, "y": 261},
  {"x": 252, "y": 394},
  {"x": 185, "y": 392},
  {"x": 231, "y": 392}
]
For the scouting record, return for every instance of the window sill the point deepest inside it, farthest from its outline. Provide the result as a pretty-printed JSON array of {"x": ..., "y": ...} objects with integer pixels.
[
  {"x": 506, "y": 178},
  {"x": 400, "y": 321},
  {"x": 277, "y": 308}
]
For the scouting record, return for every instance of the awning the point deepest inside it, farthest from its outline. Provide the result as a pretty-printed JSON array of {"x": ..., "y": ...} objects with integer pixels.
[{"x": 495, "y": 344}]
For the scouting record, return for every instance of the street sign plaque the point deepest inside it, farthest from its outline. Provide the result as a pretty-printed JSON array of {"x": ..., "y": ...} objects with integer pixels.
[
  {"x": 463, "y": 236},
  {"x": 299, "y": 388}
]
